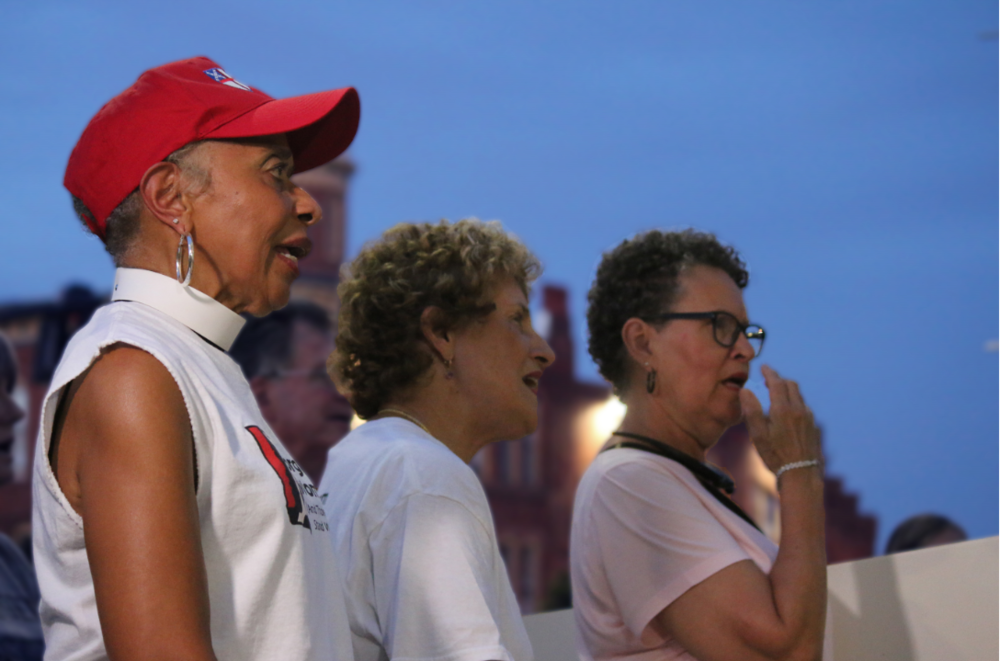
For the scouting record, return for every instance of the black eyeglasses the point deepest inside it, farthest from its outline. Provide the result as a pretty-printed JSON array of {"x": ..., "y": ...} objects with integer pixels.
[{"x": 725, "y": 327}]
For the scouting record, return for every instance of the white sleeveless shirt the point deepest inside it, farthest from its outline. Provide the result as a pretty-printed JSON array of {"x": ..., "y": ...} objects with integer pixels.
[{"x": 273, "y": 582}]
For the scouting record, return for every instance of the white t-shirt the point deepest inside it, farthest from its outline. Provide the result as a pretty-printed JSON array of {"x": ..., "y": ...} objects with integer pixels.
[
  {"x": 274, "y": 590},
  {"x": 422, "y": 572},
  {"x": 644, "y": 532}
]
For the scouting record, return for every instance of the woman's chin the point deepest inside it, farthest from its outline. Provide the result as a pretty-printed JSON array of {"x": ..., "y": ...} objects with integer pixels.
[
  {"x": 276, "y": 299},
  {"x": 517, "y": 424},
  {"x": 731, "y": 415}
]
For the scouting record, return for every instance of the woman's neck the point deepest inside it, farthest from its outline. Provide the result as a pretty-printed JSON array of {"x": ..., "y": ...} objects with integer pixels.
[
  {"x": 157, "y": 252},
  {"x": 647, "y": 417},
  {"x": 441, "y": 418}
]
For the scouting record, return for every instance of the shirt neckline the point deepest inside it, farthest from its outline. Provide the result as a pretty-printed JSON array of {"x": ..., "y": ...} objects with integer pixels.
[{"x": 186, "y": 305}]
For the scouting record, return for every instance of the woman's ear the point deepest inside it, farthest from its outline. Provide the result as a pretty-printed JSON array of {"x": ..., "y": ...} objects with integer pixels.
[
  {"x": 162, "y": 192},
  {"x": 433, "y": 327},
  {"x": 636, "y": 335},
  {"x": 338, "y": 382}
]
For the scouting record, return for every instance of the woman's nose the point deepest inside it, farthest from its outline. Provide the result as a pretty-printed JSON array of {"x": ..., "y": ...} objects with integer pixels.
[
  {"x": 543, "y": 353},
  {"x": 307, "y": 208},
  {"x": 743, "y": 349}
]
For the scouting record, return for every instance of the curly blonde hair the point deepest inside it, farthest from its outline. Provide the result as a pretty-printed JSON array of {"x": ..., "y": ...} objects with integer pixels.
[{"x": 381, "y": 349}]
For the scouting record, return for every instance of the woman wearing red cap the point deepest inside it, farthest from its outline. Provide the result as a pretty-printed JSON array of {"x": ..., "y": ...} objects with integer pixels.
[{"x": 169, "y": 520}]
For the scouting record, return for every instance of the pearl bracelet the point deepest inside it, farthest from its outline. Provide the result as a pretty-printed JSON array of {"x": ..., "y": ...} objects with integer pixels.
[{"x": 794, "y": 465}]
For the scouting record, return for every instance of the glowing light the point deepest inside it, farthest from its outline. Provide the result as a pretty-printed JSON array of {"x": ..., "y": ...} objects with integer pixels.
[
  {"x": 594, "y": 427},
  {"x": 760, "y": 473},
  {"x": 609, "y": 416}
]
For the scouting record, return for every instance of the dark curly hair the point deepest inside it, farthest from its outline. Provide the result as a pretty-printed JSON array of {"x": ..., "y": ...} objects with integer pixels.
[
  {"x": 381, "y": 349},
  {"x": 639, "y": 278},
  {"x": 917, "y": 531}
]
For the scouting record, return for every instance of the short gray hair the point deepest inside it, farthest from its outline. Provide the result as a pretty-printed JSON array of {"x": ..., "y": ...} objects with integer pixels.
[{"x": 122, "y": 224}]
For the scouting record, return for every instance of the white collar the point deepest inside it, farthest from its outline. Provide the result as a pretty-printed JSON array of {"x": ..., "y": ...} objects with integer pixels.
[{"x": 202, "y": 314}]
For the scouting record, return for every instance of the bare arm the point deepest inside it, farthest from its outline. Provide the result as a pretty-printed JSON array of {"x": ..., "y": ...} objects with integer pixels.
[
  {"x": 740, "y": 612},
  {"x": 125, "y": 462}
]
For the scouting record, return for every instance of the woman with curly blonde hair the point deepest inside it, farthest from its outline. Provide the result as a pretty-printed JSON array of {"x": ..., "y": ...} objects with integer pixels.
[{"x": 435, "y": 348}]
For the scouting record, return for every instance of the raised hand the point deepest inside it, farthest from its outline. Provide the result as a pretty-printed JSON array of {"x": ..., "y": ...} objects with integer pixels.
[{"x": 788, "y": 433}]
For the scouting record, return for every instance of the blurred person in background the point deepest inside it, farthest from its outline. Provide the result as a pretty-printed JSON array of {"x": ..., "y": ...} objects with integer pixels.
[
  {"x": 168, "y": 520},
  {"x": 924, "y": 531},
  {"x": 20, "y": 629},
  {"x": 435, "y": 349},
  {"x": 283, "y": 357},
  {"x": 663, "y": 564}
]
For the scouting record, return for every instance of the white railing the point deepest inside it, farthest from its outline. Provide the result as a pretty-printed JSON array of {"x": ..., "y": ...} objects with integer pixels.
[{"x": 938, "y": 604}]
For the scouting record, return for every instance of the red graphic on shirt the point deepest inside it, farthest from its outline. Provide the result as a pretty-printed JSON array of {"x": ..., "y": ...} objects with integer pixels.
[{"x": 293, "y": 495}]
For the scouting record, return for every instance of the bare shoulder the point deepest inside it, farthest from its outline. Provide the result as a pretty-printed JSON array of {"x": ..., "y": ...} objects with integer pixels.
[
  {"x": 126, "y": 390},
  {"x": 121, "y": 366},
  {"x": 126, "y": 410},
  {"x": 125, "y": 386}
]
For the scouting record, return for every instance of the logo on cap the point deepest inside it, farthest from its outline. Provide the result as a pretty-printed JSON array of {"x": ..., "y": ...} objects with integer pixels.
[{"x": 219, "y": 75}]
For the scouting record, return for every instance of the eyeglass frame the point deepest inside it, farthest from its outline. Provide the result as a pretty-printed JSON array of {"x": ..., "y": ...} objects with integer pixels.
[{"x": 714, "y": 315}]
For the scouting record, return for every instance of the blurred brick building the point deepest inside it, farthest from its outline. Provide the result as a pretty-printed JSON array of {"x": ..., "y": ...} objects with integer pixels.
[{"x": 530, "y": 482}]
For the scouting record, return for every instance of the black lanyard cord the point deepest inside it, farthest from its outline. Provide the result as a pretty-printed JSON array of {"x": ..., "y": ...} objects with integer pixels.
[{"x": 711, "y": 478}]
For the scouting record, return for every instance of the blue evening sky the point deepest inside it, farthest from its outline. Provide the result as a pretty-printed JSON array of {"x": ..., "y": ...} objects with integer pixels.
[{"x": 848, "y": 149}]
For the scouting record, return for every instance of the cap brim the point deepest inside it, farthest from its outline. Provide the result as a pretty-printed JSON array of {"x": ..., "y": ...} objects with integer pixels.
[{"x": 319, "y": 126}]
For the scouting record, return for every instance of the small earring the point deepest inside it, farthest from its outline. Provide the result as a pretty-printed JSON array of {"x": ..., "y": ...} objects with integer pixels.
[
  {"x": 447, "y": 365},
  {"x": 650, "y": 380},
  {"x": 176, "y": 220}
]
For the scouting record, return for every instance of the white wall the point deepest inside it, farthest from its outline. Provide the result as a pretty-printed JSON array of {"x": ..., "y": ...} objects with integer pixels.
[{"x": 938, "y": 604}]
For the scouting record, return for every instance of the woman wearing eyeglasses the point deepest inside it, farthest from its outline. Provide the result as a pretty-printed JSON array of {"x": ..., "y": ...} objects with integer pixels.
[{"x": 664, "y": 565}]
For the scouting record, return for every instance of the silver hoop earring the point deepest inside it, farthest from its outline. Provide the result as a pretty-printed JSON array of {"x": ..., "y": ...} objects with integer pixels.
[{"x": 186, "y": 279}]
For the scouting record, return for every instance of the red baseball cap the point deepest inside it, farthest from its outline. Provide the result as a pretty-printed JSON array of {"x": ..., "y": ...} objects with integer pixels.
[{"x": 181, "y": 102}]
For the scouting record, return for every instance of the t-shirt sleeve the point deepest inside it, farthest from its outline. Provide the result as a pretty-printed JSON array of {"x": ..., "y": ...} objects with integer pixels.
[
  {"x": 657, "y": 539},
  {"x": 436, "y": 588}
]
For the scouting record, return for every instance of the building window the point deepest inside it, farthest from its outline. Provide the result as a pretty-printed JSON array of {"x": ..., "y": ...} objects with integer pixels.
[
  {"x": 501, "y": 462},
  {"x": 529, "y": 462},
  {"x": 522, "y": 559},
  {"x": 526, "y": 582},
  {"x": 509, "y": 463}
]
